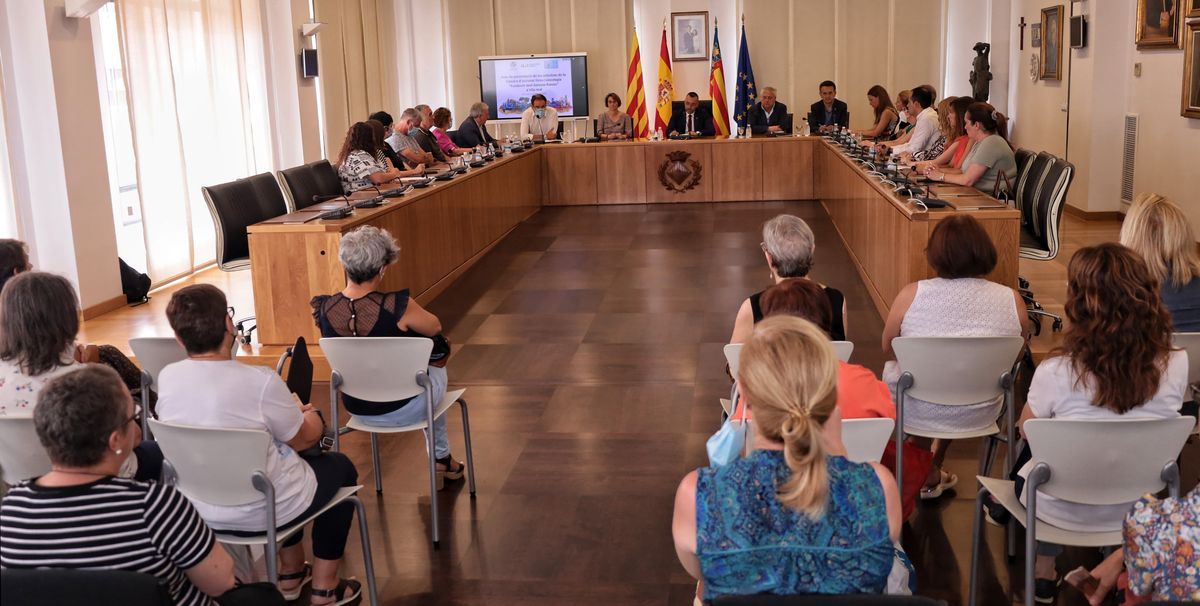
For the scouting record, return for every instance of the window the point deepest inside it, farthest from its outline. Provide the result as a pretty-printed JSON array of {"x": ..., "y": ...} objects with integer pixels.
[{"x": 118, "y": 142}]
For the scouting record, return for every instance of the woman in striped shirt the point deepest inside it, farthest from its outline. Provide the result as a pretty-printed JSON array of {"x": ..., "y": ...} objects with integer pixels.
[{"x": 80, "y": 515}]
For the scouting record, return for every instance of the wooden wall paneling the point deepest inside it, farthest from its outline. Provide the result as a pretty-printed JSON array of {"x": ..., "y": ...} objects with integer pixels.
[
  {"x": 656, "y": 154},
  {"x": 570, "y": 174},
  {"x": 620, "y": 174},
  {"x": 788, "y": 170},
  {"x": 330, "y": 51},
  {"x": 863, "y": 57},
  {"x": 812, "y": 49},
  {"x": 521, "y": 27},
  {"x": 916, "y": 59},
  {"x": 374, "y": 28},
  {"x": 737, "y": 170}
]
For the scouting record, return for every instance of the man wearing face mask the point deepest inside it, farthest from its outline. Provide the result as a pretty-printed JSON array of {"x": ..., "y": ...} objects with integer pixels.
[{"x": 539, "y": 120}]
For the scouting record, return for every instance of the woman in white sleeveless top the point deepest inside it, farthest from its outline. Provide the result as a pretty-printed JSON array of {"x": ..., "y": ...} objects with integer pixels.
[{"x": 959, "y": 302}]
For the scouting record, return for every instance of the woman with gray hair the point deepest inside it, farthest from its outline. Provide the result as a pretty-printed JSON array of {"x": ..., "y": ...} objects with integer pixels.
[
  {"x": 362, "y": 310},
  {"x": 788, "y": 245}
]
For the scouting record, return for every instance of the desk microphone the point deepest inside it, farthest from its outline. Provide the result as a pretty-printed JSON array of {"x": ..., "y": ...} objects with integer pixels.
[{"x": 327, "y": 197}]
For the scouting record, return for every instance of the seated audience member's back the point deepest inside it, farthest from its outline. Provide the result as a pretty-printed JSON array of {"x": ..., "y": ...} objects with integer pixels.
[
  {"x": 210, "y": 389},
  {"x": 39, "y": 318},
  {"x": 80, "y": 516},
  {"x": 1157, "y": 229},
  {"x": 1162, "y": 548}
]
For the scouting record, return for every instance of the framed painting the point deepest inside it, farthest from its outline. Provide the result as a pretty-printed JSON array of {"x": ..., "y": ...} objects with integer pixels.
[
  {"x": 1035, "y": 35},
  {"x": 1158, "y": 23},
  {"x": 1193, "y": 10},
  {"x": 1051, "y": 46},
  {"x": 689, "y": 36},
  {"x": 1191, "y": 71}
]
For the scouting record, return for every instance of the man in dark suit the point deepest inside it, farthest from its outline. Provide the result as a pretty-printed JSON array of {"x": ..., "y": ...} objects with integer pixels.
[
  {"x": 767, "y": 116},
  {"x": 692, "y": 120},
  {"x": 472, "y": 131},
  {"x": 830, "y": 111},
  {"x": 424, "y": 137}
]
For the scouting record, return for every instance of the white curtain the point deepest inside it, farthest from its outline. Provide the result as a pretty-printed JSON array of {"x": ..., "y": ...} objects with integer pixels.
[
  {"x": 8, "y": 206},
  {"x": 196, "y": 81}
]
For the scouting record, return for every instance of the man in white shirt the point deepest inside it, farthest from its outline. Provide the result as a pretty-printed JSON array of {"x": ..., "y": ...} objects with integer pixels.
[
  {"x": 539, "y": 120},
  {"x": 210, "y": 389},
  {"x": 925, "y": 133}
]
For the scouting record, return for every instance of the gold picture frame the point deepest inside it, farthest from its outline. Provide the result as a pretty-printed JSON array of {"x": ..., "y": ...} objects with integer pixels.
[
  {"x": 1159, "y": 23},
  {"x": 689, "y": 36},
  {"x": 1194, "y": 10},
  {"x": 1190, "y": 105},
  {"x": 1052, "y": 47}
]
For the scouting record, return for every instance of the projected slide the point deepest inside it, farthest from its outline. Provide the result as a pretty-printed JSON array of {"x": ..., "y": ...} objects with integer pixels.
[{"x": 508, "y": 83}]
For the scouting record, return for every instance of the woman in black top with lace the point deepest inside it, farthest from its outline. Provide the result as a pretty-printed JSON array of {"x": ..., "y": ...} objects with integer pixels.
[
  {"x": 362, "y": 310},
  {"x": 788, "y": 245}
]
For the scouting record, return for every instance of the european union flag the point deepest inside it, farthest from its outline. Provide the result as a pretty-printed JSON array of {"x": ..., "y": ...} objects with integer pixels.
[{"x": 747, "y": 94}]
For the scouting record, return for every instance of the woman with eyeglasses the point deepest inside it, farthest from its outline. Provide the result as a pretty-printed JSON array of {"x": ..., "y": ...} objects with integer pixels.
[
  {"x": 39, "y": 319},
  {"x": 82, "y": 515}
]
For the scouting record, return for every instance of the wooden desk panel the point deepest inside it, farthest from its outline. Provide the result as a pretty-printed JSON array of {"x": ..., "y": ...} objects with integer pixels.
[
  {"x": 787, "y": 169},
  {"x": 737, "y": 171},
  {"x": 570, "y": 175},
  {"x": 619, "y": 174}
]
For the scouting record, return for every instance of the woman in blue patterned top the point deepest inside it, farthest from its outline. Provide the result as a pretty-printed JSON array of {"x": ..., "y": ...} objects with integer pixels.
[{"x": 794, "y": 516}]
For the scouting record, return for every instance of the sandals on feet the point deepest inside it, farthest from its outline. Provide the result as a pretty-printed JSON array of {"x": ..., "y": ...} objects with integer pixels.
[
  {"x": 446, "y": 472},
  {"x": 948, "y": 481},
  {"x": 304, "y": 575},
  {"x": 346, "y": 592}
]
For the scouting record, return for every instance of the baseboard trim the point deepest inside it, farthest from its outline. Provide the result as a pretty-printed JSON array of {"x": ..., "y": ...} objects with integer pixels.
[
  {"x": 104, "y": 307},
  {"x": 1104, "y": 215}
]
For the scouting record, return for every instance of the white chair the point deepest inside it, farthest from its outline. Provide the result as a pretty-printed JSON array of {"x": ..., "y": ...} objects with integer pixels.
[
  {"x": 1092, "y": 462},
  {"x": 386, "y": 369},
  {"x": 226, "y": 467},
  {"x": 733, "y": 352},
  {"x": 865, "y": 439},
  {"x": 154, "y": 354},
  {"x": 957, "y": 371},
  {"x": 21, "y": 453}
]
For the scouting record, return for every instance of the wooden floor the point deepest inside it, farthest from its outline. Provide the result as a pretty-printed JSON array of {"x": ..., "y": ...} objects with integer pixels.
[{"x": 590, "y": 343}]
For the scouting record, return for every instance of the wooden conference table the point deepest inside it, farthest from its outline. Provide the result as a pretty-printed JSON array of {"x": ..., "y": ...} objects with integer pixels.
[{"x": 445, "y": 228}]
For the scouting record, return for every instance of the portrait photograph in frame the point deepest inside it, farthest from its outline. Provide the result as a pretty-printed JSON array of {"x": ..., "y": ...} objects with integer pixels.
[
  {"x": 1190, "y": 107},
  {"x": 689, "y": 36},
  {"x": 1158, "y": 23},
  {"x": 1051, "y": 46}
]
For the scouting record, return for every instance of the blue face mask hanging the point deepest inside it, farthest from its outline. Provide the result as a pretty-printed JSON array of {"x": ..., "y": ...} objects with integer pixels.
[{"x": 728, "y": 444}]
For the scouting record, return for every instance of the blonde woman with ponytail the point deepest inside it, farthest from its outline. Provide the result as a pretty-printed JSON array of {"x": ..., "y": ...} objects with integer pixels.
[{"x": 766, "y": 523}]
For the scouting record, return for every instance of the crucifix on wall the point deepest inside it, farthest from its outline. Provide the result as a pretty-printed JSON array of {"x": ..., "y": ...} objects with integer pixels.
[{"x": 1022, "y": 36}]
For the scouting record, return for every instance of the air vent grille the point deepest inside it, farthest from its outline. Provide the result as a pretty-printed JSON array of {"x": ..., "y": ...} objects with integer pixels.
[{"x": 1128, "y": 157}]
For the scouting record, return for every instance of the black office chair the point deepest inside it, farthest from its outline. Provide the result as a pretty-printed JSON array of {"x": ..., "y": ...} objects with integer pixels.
[
  {"x": 453, "y": 134},
  {"x": 826, "y": 600},
  {"x": 1024, "y": 156},
  {"x": 92, "y": 587},
  {"x": 705, "y": 105},
  {"x": 305, "y": 182},
  {"x": 1040, "y": 233},
  {"x": 234, "y": 206}
]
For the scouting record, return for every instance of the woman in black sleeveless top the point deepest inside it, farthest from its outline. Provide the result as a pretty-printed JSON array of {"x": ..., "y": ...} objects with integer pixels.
[
  {"x": 788, "y": 245},
  {"x": 362, "y": 310}
]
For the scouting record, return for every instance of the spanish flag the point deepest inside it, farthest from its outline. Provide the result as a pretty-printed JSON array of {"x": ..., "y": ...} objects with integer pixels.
[
  {"x": 666, "y": 85},
  {"x": 635, "y": 92},
  {"x": 716, "y": 89}
]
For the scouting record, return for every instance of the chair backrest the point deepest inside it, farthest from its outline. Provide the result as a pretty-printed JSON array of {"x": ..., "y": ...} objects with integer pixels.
[
  {"x": 955, "y": 371},
  {"x": 155, "y": 353},
  {"x": 826, "y": 600},
  {"x": 705, "y": 106},
  {"x": 300, "y": 372},
  {"x": 214, "y": 465},
  {"x": 1027, "y": 187},
  {"x": 1106, "y": 462},
  {"x": 94, "y": 587},
  {"x": 236, "y": 205},
  {"x": 1048, "y": 205},
  {"x": 1190, "y": 341},
  {"x": 326, "y": 177},
  {"x": 1024, "y": 157},
  {"x": 453, "y": 134},
  {"x": 733, "y": 352},
  {"x": 865, "y": 439},
  {"x": 300, "y": 183},
  {"x": 21, "y": 453},
  {"x": 378, "y": 369}
]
